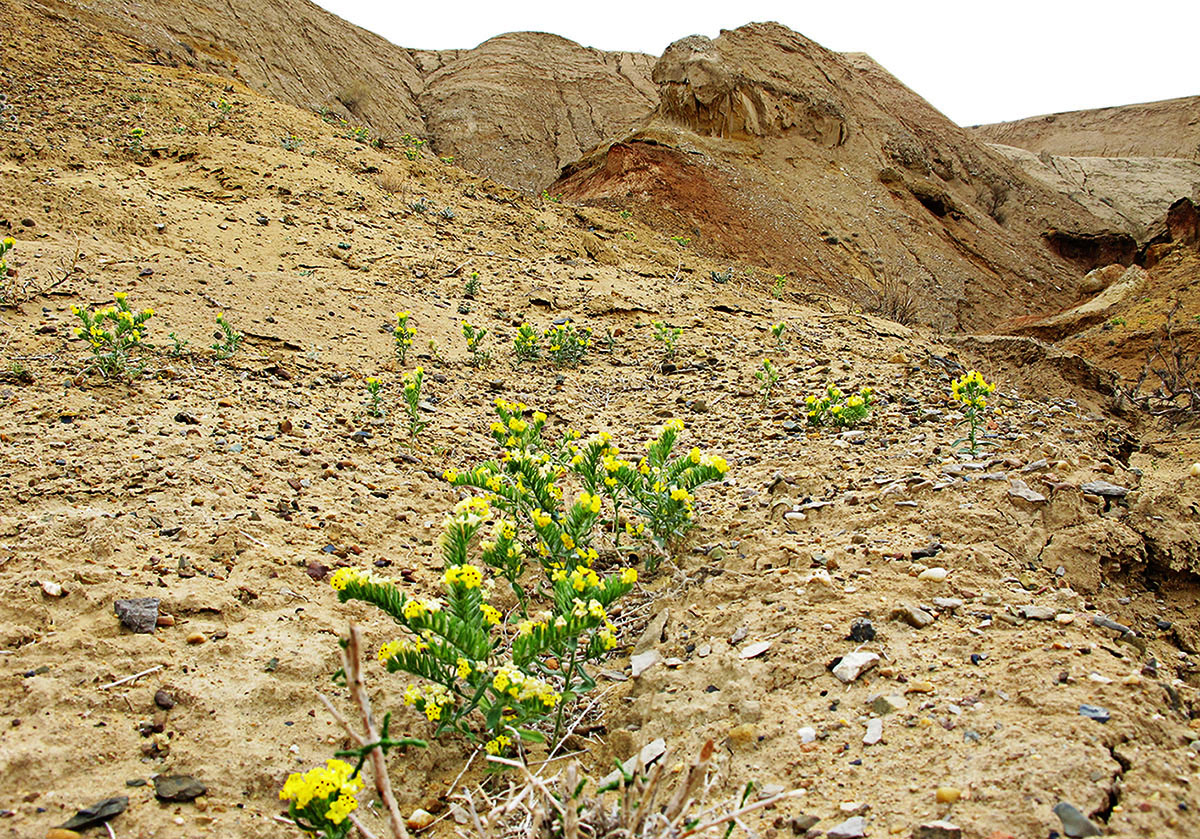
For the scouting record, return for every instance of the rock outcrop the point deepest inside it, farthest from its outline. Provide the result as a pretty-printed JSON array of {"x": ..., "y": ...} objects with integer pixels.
[
  {"x": 1168, "y": 128},
  {"x": 823, "y": 167}
]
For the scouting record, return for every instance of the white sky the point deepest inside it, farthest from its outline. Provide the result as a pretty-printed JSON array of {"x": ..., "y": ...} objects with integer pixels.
[{"x": 975, "y": 61}]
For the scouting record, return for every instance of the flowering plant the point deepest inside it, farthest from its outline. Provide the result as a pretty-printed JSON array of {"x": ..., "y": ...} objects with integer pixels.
[
  {"x": 972, "y": 391},
  {"x": 228, "y": 340},
  {"x": 525, "y": 345},
  {"x": 475, "y": 336},
  {"x": 566, "y": 345},
  {"x": 837, "y": 409},
  {"x": 412, "y": 401},
  {"x": 476, "y": 672},
  {"x": 321, "y": 799},
  {"x": 777, "y": 330},
  {"x": 667, "y": 335},
  {"x": 402, "y": 335},
  {"x": 767, "y": 376},
  {"x": 374, "y": 400},
  {"x": 115, "y": 334}
]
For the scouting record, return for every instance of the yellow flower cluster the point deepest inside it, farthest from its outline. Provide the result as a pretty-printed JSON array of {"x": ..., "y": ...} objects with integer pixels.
[
  {"x": 467, "y": 576},
  {"x": 431, "y": 700},
  {"x": 343, "y": 576},
  {"x": 415, "y": 608},
  {"x": 582, "y": 578},
  {"x": 498, "y": 745},
  {"x": 971, "y": 390},
  {"x": 331, "y": 782},
  {"x": 591, "y": 502},
  {"x": 523, "y": 688},
  {"x": 394, "y": 648},
  {"x": 490, "y": 614}
]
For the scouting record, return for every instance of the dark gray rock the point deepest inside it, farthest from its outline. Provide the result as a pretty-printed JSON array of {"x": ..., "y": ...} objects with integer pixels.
[
  {"x": 97, "y": 814},
  {"x": 138, "y": 614},
  {"x": 939, "y": 829},
  {"x": 1104, "y": 489},
  {"x": 178, "y": 788}
]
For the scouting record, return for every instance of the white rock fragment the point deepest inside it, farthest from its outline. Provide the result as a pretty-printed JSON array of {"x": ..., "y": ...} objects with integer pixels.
[
  {"x": 874, "y": 732},
  {"x": 933, "y": 575},
  {"x": 642, "y": 662},
  {"x": 854, "y": 665}
]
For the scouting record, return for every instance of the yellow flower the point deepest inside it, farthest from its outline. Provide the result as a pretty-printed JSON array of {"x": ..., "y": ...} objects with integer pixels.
[
  {"x": 467, "y": 576},
  {"x": 388, "y": 650},
  {"x": 540, "y": 518},
  {"x": 120, "y": 296},
  {"x": 629, "y": 576},
  {"x": 498, "y": 745},
  {"x": 414, "y": 609},
  {"x": 343, "y": 576},
  {"x": 463, "y": 667},
  {"x": 490, "y": 614}
]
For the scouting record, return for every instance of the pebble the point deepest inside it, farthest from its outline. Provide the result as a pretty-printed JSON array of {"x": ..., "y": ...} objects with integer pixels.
[
  {"x": 51, "y": 589},
  {"x": 1036, "y": 613},
  {"x": 933, "y": 575},
  {"x": 920, "y": 686},
  {"x": 862, "y": 631},
  {"x": 947, "y": 603},
  {"x": 1075, "y": 824},
  {"x": 914, "y": 616},
  {"x": 854, "y": 665},
  {"x": 888, "y": 704},
  {"x": 419, "y": 820},
  {"x": 947, "y": 795},
  {"x": 937, "y": 830},
  {"x": 178, "y": 788},
  {"x": 852, "y": 828},
  {"x": 640, "y": 663},
  {"x": 874, "y": 732},
  {"x": 1104, "y": 489},
  {"x": 754, "y": 650},
  {"x": 62, "y": 833},
  {"x": 196, "y": 638},
  {"x": 1094, "y": 712},
  {"x": 1065, "y": 618},
  {"x": 807, "y": 734},
  {"x": 1195, "y": 470}
]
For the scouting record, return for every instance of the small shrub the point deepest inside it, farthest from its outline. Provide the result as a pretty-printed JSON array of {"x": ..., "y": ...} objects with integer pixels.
[
  {"x": 116, "y": 335},
  {"x": 412, "y": 402},
  {"x": 475, "y": 336},
  {"x": 447, "y": 214},
  {"x": 9, "y": 293},
  {"x": 721, "y": 277},
  {"x": 767, "y": 377},
  {"x": 178, "y": 346},
  {"x": 566, "y": 345},
  {"x": 471, "y": 287},
  {"x": 525, "y": 345},
  {"x": 667, "y": 336},
  {"x": 777, "y": 288},
  {"x": 836, "y": 409},
  {"x": 374, "y": 397},
  {"x": 227, "y": 339},
  {"x": 777, "y": 330},
  {"x": 291, "y": 142},
  {"x": 402, "y": 335},
  {"x": 419, "y": 206},
  {"x": 412, "y": 146}
]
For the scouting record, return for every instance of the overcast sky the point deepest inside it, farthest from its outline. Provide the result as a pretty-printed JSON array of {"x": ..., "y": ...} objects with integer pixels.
[{"x": 975, "y": 61}]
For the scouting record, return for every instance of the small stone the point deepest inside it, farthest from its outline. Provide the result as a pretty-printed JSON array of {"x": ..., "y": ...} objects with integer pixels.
[
  {"x": 196, "y": 638},
  {"x": 62, "y": 833},
  {"x": 1075, "y": 824},
  {"x": 138, "y": 614},
  {"x": 933, "y": 575},
  {"x": 51, "y": 588},
  {"x": 164, "y": 700},
  {"x": 1065, "y": 618},
  {"x": 754, "y": 650},
  {"x": 802, "y": 823},
  {"x": 937, "y": 830},
  {"x": 888, "y": 704},
  {"x": 96, "y": 814},
  {"x": 898, "y": 358},
  {"x": 874, "y": 732},
  {"x": 854, "y": 665},
  {"x": 949, "y": 604},
  {"x": 1094, "y": 712},
  {"x": 912, "y": 615},
  {"x": 947, "y": 795},
  {"x": 1195, "y": 470},
  {"x": 1036, "y": 613},
  {"x": 178, "y": 788},
  {"x": 920, "y": 686},
  {"x": 419, "y": 820},
  {"x": 742, "y": 734},
  {"x": 1019, "y": 489},
  {"x": 852, "y": 828},
  {"x": 642, "y": 662},
  {"x": 807, "y": 734},
  {"x": 862, "y": 631},
  {"x": 1104, "y": 489}
]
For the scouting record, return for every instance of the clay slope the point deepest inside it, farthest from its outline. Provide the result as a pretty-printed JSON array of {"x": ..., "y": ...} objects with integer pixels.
[
  {"x": 1170, "y": 128},
  {"x": 1130, "y": 193},
  {"x": 521, "y": 106},
  {"x": 517, "y": 107},
  {"x": 824, "y": 168}
]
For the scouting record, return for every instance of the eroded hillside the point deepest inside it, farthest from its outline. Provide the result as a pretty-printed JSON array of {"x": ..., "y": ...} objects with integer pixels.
[{"x": 231, "y": 489}]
